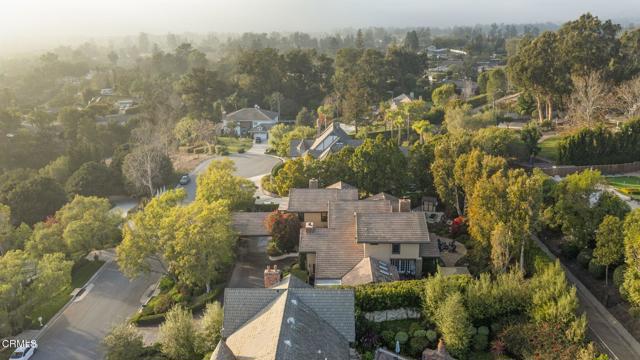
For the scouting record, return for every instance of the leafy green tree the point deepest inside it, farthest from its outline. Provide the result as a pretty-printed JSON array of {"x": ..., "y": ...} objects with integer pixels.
[
  {"x": 305, "y": 118},
  {"x": 219, "y": 183},
  {"x": 497, "y": 85},
  {"x": 631, "y": 285},
  {"x": 177, "y": 335},
  {"x": 609, "y": 243},
  {"x": 453, "y": 322},
  {"x": 589, "y": 44},
  {"x": 379, "y": 165},
  {"x": 293, "y": 174},
  {"x": 35, "y": 199},
  {"x": 59, "y": 169},
  {"x": 497, "y": 141},
  {"x": 530, "y": 135},
  {"x": 422, "y": 127},
  {"x": 443, "y": 94},
  {"x": 210, "y": 330},
  {"x": 186, "y": 130},
  {"x": 411, "y": 41},
  {"x": 142, "y": 249},
  {"x": 554, "y": 300},
  {"x": 474, "y": 166},
  {"x": 421, "y": 156},
  {"x": 91, "y": 179},
  {"x": 123, "y": 342},
  {"x": 504, "y": 210},
  {"x": 198, "y": 241},
  {"x": 447, "y": 150},
  {"x": 199, "y": 89}
]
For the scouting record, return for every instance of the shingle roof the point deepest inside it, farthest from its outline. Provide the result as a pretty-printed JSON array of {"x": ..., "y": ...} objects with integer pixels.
[
  {"x": 250, "y": 223},
  {"x": 370, "y": 270},
  {"x": 253, "y": 114},
  {"x": 395, "y": 202},
  {"x": 291, "y": 281},
  {"x": 317, "y": 200},
  {"x": 222, "y": 352},
  {"x": 332, "y": 139},
  {"x": 335, "y": 307},
  {"x": 291, "y": 328},
  {"x": 399, "y": 227},
  {"x": 336, "y": 249}
]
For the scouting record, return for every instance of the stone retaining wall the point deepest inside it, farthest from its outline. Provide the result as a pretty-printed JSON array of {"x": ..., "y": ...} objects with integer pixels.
[{"x": 394, "y": 314}]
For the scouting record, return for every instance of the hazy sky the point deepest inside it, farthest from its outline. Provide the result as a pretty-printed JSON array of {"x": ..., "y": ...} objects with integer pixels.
[{"x": 20, "y": 20}]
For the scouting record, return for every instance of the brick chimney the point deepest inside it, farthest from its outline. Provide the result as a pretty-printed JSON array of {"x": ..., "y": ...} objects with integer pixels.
[
  {"x": 272, "y": 276},
  {"x": 313, "y": 183},
  {"x": 404, "y": 205}
]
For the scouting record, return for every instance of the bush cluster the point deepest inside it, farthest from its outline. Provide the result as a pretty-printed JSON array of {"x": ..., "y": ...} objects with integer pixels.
[{"x": 393, "y": 295}]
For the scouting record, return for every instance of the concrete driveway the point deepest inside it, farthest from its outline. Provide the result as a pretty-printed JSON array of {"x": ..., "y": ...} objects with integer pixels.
[{"x": 248, "y": 271}]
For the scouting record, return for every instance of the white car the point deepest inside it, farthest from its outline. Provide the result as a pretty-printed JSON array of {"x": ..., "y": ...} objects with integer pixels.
[{"x": 24, "y": 353}]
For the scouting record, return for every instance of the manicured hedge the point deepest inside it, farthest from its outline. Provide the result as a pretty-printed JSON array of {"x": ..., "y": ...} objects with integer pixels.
[
  {"x": 386, "y": 296},
  {"x": 602, "y": 146}
]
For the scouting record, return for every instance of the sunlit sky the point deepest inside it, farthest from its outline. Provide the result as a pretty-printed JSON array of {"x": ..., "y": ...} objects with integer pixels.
[{"x": 24, "y": 21}]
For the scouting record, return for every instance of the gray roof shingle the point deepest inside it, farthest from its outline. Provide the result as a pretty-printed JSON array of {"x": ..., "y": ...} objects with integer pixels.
[
  {"x": 397, "y": 228},
  {"x": 251, "y": 114},
  {"x": 250, "y": 223},
  {"x": 317, "y": 200}
]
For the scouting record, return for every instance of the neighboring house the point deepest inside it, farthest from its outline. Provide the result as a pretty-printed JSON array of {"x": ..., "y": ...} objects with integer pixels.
[
  {"x": 331, "y": 140},
  {"x": 286, "y": 321},
  {"x": 248, "y": 120},
  {"x": 351, "y": 241},
  {"x": 106, "y": 92},
  {"x": 401, "y": 99}
]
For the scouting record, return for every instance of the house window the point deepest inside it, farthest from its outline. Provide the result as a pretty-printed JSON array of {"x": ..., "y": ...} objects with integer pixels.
[
  {"x": 301, "y": 217},
  {"x": 405, "y": 266},
  {"x": 323, "y": 217},
  {"x": 395, "y": 249}
]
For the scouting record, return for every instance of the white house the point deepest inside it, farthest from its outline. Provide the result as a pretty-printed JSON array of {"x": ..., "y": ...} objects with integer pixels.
[{"x": 253, "y": 121}]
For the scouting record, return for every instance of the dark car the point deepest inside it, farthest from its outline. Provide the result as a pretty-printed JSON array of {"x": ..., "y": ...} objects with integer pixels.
[
  {"x": 184, "y": 180},
  {"x": 258, "y": 140}
]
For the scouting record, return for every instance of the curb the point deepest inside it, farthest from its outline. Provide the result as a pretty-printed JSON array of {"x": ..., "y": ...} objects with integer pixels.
[
  {"x": 282, "y": 257},
  {"x": 55, "y": 317}
]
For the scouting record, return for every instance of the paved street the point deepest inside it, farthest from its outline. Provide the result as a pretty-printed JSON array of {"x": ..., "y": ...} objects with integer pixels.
[
  {"x": 604, "y": 329},
  {"x": 112, "y": 298},
  {"x": 78, "y": 332},
  {"x": 250, "y": 164}
]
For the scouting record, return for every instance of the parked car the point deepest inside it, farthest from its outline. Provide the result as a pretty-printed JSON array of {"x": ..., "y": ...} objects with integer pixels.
[
  {"x": 24, "y": 353},
  {"x": 185, "y": 179},
  {"x": 258, "y": 140}
]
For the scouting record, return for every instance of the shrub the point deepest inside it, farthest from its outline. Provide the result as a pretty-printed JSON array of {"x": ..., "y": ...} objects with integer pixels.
[
  {"x": 584, "y": 257},
  {"x": 166, "y": 284},
  {"x": 420, "y": 333},
  {"x": 480, "y": 342},
  {"x": 569, "y": 250},
  {"x": 392, "y": 295},
  {"x": 432, "y": 336},
  {"x": 483, "y": 330},
  {"x": 272, "y": 249},
  {"x": 402, "y": 337},
  {"x": 417, "y": 345},
  {"x": 162, "y": 303},
  {"x": 596, "y": 270},
  {"x": 618, "y": 275},
  {"x": 241, "y": 151},
  {"x": 276, "y": 168},
  {"x": 388, "y": 337},
  {"x": 415, "y": 326},
  {"x": 472, "y": 330},
  {"x": 221, "y": 150}
]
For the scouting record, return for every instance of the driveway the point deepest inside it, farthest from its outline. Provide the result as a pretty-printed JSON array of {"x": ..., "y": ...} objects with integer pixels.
[
  {"x": 77, "y": 333},
  {"x": 248, "y": 271}
]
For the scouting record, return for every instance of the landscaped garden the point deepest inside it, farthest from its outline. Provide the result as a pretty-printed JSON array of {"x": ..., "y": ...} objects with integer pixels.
[{"x": 628, "y": 185}]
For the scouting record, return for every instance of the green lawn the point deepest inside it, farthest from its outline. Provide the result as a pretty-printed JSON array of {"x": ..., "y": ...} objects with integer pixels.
[
  {"x": 234, "y": 144},
  {"x": 628, "y": 185},
  {"x": 79, "y": 277},
  {"x": 549, "y": 148}
]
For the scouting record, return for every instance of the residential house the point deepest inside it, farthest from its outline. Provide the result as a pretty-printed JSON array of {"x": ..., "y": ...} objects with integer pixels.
[
  {"x": 286, "y": 321},
  {"x": 359, "y": 241},
  {"x": 401, "y": 99},
  {"x": 251, "y": 121},
  {"x": 331, "y": 140}
]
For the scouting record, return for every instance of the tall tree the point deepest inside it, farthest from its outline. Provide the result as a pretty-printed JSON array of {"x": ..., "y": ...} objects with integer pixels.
[
  {"x": 530, "y": 136},
  {"x": 411, "y": 41},
  {"x": 631, "y": 283},
  {"x": 219, "y": 183},
  {"x": 609, "y": 243}
]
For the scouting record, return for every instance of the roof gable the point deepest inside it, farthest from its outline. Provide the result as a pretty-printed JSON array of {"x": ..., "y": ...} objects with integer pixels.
[{"x": 251, "y": 114}]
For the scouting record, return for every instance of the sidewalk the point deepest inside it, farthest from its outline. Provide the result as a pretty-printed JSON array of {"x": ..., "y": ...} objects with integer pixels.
[{"x": 606, "y": 331}]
